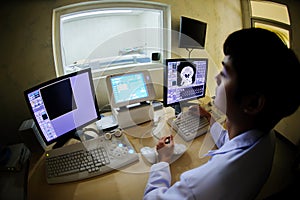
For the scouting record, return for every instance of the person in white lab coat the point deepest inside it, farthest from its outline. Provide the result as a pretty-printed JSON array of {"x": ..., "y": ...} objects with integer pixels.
[{"x": 257, "y": 87}]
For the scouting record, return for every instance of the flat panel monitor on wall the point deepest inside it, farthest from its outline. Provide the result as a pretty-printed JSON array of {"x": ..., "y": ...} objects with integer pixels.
[
  {"x": 63, "y": 105},
  {"x": 192, "y": 33},
  {"x": 184, "y": 80},
  {"x": 130, "y": 88}
]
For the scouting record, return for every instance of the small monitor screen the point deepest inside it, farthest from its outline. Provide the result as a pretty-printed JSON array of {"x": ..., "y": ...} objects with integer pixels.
[
  {"x": 185, "y": 79},
  {"x": 129, "y": 88},
  {"x": 62, "y": 105}
]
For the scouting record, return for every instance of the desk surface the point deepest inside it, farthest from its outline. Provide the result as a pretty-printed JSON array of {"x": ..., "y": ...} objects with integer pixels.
[{"x": 130, "y": 181}]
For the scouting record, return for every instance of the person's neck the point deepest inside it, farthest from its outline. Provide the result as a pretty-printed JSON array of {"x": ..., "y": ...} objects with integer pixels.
[{"x": 235, "y": 129}]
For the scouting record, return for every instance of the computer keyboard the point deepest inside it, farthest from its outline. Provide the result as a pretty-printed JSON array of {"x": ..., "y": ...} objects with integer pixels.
[
  {"x": 88, "y": 159},
  {"x": 189, "y": 126}
]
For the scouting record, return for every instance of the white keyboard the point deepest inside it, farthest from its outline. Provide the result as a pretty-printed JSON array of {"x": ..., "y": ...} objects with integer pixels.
[
  {"x": 189, "y": 126},
  {"x": 88, "y": 159}
]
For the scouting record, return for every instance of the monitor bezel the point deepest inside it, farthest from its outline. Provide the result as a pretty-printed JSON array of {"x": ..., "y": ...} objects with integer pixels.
[
  {"x": 71, "y": 133},
  {"x": 149, "y": 86},
  {"x": 186, "y": 26},
  {"x": 165, "y": 77}
]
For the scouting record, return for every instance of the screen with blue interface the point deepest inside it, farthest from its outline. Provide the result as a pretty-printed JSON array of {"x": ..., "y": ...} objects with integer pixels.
[
  {"x": 185, "y": 79},
  {"x": 62, "y": 105},
  {"x": 129, "y": 87}
]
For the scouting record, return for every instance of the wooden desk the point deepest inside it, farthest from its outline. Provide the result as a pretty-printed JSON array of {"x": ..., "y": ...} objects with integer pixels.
[{"x": 129, "y": 182}]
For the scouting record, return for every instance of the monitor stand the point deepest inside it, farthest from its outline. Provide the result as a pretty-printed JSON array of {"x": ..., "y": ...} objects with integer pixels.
[
  {"x": 133, "y": 115},
  {"x": 178, "y": 107}
]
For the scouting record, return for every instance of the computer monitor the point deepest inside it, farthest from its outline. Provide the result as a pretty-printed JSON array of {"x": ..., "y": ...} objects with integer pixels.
[
  {"x": 63, "y": 105},
  {"x": 129, "y": 88},
  {"x": 192, "y": 33},
  {"x": 184, "y": 80}
]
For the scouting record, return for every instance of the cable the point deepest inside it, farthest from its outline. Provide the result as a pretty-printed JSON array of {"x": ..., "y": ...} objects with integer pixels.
[{"x": 190, "y": 51}]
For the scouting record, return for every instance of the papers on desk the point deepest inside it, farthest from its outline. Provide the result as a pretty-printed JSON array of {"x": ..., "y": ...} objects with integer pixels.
[{"x": 107, "y": 123}]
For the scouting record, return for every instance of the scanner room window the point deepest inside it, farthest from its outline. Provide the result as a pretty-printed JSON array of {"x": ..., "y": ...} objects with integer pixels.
[{"x": 107, "y": 35}]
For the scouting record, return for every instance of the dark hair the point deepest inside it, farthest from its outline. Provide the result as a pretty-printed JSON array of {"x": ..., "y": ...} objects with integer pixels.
[{"x": 265, "y": 66}]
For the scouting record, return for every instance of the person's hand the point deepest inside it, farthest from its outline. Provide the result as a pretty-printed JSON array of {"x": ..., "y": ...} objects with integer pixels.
[
  {"x": 199, "y": 111},
  {"x": 165, "y": 149}
]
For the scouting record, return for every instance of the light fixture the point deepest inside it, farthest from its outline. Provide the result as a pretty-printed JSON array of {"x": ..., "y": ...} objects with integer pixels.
[{"x": 93, "y": 13}]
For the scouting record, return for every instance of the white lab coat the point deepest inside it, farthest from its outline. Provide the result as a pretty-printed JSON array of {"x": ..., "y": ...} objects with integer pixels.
[{"x": 237, "y": 170}]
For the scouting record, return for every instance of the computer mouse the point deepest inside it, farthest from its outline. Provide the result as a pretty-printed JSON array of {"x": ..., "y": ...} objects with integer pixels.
[{"x": 149, "y": 154}]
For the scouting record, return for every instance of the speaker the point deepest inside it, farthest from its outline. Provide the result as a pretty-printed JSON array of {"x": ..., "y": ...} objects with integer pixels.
[{"x": 155, "y": 56}]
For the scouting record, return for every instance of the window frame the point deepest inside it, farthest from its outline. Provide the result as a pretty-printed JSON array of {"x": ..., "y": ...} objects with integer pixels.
[
  {"x": 249, "y": 20},
  {"x": 58, "y": 12}
]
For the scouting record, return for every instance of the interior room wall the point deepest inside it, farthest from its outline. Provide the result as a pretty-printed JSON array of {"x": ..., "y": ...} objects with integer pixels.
[
  {"x": 73, "y": 40},
  {"x": 27, "y": 54}
]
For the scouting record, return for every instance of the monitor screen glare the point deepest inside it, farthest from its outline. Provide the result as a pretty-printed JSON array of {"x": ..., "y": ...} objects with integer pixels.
[
  {"x": 63, "y": 105},
  {"x": 185, "y": 79}
]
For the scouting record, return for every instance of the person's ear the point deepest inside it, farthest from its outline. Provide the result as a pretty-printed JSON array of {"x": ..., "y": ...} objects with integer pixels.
[{"x": 253, "y": 104}]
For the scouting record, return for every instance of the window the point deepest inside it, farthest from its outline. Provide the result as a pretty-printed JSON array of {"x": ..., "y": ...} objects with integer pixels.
[
  {"x": 107, "y": 35},
  {"x": 268, "y": 15}
]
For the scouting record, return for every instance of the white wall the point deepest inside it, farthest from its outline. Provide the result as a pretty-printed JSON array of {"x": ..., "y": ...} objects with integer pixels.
[{"x": 82, "y": 37}]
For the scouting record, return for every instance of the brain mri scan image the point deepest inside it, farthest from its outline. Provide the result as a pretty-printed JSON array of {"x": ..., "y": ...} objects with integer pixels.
[{"x": 186, "y": 74}]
